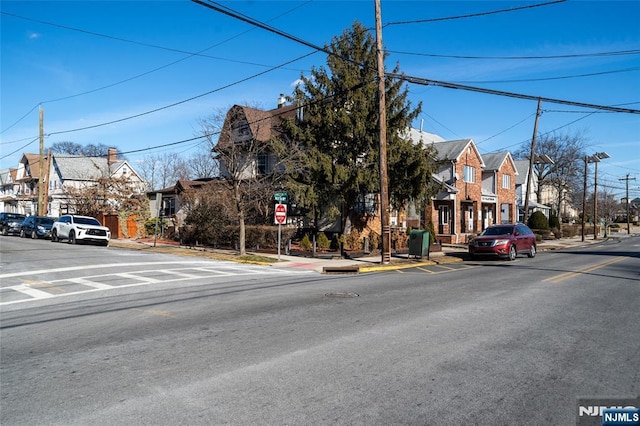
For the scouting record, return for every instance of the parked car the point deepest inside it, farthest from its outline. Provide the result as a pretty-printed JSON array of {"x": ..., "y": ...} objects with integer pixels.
[
  {"x": 507, "y": 240},
  {"x": 75, "y": 229},
  {"x": 36, "y": 227},
  {"x": 10, "y": 223}
]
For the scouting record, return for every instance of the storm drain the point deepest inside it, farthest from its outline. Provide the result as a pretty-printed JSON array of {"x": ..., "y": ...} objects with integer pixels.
[{"x": 343, "y": 294}]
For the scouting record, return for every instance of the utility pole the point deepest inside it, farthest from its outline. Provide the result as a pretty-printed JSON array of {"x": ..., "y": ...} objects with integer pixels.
[
  {"x": 531, "y": 162},
  {"x": 47, "y": 175},
  {"x": 595, "y": 203},
  {"x": 41, "y": 210},
  {"x": 584, "y": 196},
  {"x": 384, "y": 183},
  {"x": 627, "y": 179}
]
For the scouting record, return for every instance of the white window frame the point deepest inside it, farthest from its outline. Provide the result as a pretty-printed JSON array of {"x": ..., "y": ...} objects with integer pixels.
[
  {"x": 469, "y": 174},
  {"x": 506, "y": 181}
]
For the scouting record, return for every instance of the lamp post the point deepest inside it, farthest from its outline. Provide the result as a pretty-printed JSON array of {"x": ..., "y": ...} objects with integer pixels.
[{"x": 597, "y": 157}]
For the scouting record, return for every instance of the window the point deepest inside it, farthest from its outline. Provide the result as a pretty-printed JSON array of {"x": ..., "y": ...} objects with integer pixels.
[
  {"x": 469, "y": 174},
  {"x": 241, "y": 130},
  {"x": 506, "y": 181},
  {"x": 444, "y": 215}
]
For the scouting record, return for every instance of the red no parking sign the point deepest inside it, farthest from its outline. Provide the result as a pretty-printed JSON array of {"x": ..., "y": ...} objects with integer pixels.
[{"x": 281, "y": 214}]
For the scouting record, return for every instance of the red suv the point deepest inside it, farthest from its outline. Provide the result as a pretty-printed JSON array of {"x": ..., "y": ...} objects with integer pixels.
[{"x": 504, "y": 241}]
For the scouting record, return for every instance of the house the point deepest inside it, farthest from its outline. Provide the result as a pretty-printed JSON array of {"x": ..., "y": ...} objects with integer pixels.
[
  {"x": 499, "y": 189},
  {"x": 169, "y": 203},
  {"x": 20, "y": 185},
  {"x": 522, "y": 166},
  {"x": 457, "y": 209},
  {"x": 70, "y": 173},
  {"x": 63, "y": 174},
  {"x": 9, "y": 190},
  {"x": 245, "y": 126}
]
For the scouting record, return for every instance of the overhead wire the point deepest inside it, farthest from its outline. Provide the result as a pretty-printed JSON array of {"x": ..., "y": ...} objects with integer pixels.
[
  {"x": 565, "y": 56},
  {"x": 230, "y": 12},
  {"x": 189, "y": 55},
  {"x": 473, "y": 15}
]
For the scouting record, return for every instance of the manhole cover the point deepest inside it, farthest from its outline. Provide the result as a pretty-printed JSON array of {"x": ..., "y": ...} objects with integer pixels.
[{"x": 347, "y": 294}]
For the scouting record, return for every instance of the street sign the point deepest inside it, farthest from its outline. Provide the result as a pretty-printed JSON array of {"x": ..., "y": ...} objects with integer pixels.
[
  {"x": 280, "y": 197},
  {"x": 281, "y": 214}
]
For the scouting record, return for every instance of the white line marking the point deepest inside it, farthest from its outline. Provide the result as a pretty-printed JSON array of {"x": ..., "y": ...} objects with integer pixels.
[
  {"x": 109, "y": 265},
  {"x": 36, "y": 294},
  {"x": 136, "y": 277},
  {"x": 89, "y": 283}
]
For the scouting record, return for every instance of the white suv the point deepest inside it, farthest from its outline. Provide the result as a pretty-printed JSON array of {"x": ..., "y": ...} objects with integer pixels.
[{"x": 74, "y": 228}]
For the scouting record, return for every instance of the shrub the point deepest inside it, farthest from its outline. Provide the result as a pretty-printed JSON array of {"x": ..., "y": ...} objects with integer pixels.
[
  {"x": 323, "y": 242},
  {"x": 538, "y": 221},
  {"x": 150, "y": 226},
  {"x": 375, "y": 241},
  {"x": 305, "y": 243},
  {"x": 353, "y": 241}
]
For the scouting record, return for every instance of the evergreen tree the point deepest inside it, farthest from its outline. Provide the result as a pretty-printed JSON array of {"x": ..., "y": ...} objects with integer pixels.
[{"x": 340, "y": 132}]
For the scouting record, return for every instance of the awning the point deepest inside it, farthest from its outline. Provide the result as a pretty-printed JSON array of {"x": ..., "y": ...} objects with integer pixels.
[{"x": 534, "y": 205}]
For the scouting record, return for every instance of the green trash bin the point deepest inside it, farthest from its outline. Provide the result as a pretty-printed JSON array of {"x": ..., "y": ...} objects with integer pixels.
[{"x": 419, "y": 243}]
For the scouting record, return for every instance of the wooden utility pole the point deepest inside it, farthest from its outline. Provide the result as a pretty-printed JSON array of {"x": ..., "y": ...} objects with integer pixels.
[
  {"x": 384, "y": 183},
  {"x": 531, "y": 162},
  {"x": 47, "y": 175},
  {"x": 41, "y": 209},
  {"x": 627, "y": 197}
]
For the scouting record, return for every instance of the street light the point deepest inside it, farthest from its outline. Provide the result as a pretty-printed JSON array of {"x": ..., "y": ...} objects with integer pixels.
[
  {"x": 595, "y": 158},
  {"x": 598, "y": 156}
]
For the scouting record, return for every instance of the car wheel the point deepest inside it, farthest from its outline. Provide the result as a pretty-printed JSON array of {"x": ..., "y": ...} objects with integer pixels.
[
  {"x": 512, "y": 253},
  {"x": 4, "y": 232},
  {"x": 72, "y": 237},
  {"x": 22, "y": 233},
  {"x": 34, "y": 235},
  {"x": 54, "y": 236},
  {"x": 532, "y": 252}
]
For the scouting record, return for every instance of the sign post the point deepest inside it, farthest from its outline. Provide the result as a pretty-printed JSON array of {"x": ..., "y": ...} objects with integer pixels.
[{"x": 280, "y": 218}]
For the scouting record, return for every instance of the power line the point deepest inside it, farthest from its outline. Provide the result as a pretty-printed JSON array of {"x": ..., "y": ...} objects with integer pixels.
[
  {"x": 472, "y": 15},
  {"x": 190, "y": 55},
  {"x": 566, "y": 56},
  {"x": 429, "y": 82},
  {"x": 525, "y": 80}
]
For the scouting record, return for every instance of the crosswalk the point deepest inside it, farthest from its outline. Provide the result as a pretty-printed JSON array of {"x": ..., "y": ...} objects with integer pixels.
[{"x": 20, "y": 287}]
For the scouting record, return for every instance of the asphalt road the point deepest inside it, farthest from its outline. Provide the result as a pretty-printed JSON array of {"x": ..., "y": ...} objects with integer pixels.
[{"x": 114, "y": 337}]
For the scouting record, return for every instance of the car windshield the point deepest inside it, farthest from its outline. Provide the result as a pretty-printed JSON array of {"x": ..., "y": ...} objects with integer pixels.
[
  {"x": 45, "y": 220},
  {"x": 14, "y": 216},
  {"x": 86, "y": 221},
  {"x": 498, "y": 230}
]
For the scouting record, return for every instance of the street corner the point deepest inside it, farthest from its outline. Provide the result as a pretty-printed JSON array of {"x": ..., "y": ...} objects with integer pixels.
[{"x": 395, "y": 265}]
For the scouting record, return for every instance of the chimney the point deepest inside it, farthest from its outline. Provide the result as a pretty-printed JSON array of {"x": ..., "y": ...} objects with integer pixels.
[
  {"x": 281, "y": 100},
  {"x": 112, "y": 156}
]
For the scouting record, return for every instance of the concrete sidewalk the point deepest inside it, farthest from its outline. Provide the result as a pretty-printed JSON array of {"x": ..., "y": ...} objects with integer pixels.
[{"x": 339, "y": 265}]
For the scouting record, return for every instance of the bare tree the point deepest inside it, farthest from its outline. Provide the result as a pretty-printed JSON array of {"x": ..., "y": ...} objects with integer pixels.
[
  {"x": 565, "y": 174},
  {"x": 73, "y": 148},
  {"x": 108, "y": 195},
  {"x": 163, "y": 170},
  {"x": 202, "y": 164},
  {"x": 252, "y": 166}
]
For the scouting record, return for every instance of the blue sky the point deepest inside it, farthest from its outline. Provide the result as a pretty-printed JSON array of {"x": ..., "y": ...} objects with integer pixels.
[{"x": 88, "y": 63}]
